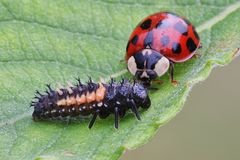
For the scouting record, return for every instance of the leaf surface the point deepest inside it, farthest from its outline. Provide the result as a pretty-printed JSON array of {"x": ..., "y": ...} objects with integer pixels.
[{"x": 54, "y": 41}]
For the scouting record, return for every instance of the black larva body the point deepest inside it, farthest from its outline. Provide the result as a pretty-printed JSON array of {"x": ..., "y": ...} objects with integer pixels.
[{"x": 91, "y": 99}]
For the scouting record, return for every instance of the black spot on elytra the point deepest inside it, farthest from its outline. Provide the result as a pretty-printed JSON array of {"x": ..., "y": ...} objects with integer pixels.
[
  {"x": 191, "y": 45},
  {"x": 176, "y": 48},
  {"x": 195, "y": 33},
  {"x": 181, "y": 28},
  {"x": 148, "y": 39},
  {"x": 165, "y": 40},
  {"x": 134, "y": 40},
  {"x": 146, "y": 24},
  {"x": 162, "y": 24}
]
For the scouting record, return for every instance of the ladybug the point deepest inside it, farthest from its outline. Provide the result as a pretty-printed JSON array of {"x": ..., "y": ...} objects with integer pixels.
[{"x": 159, "y": 41}]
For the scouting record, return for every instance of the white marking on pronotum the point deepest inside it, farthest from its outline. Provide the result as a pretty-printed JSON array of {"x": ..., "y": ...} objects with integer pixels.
[
  {"x": 132, "y": 66},
  {"x": 161, "y": 66},
  {"x": 146, "y": 51}
]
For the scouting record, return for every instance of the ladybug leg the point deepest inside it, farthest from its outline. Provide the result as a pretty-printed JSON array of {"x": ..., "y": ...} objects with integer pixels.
[
  {"x": 200, "y": 46},
  {"x": 196, "y": 55},
  {"x": 171, "y": 68}
]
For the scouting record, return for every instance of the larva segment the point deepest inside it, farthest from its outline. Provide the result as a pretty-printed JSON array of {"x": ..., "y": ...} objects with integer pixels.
[
  {"x": 91, "y": 97},
  {"x": 71, "y": 101},
  {"x": 100, "y": 92},
  {"x": 62, "y": 102},
  {"x": 81, "y": 99}
]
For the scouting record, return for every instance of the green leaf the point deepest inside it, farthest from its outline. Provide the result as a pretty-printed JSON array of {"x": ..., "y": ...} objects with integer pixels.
[{"x": 54, "y": 41}]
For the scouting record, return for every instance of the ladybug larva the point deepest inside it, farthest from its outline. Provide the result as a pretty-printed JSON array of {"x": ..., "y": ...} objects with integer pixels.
[
  {"x": 96, "y": 99},
  {"x": 159, "y": 41}
]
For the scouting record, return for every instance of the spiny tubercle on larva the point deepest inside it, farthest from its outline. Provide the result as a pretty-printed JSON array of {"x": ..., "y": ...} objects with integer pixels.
[{"x": 98, "y": 99}]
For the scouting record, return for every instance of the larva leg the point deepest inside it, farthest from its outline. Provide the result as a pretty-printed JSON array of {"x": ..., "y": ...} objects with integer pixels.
[
  {"x": 134, "y": 109},
  {"x": 116, "y": 112},
  {"x": 93, "y": 119}
]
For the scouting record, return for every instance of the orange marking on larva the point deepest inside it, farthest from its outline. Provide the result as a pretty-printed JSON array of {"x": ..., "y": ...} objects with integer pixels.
[
  {"x": 71, "y": 101},
  {"x": 100, "y": 93},
  {"x": 61, "y": 102},
  {"x": 91, "y": 97},
  {"x": 81, "y": 100}
]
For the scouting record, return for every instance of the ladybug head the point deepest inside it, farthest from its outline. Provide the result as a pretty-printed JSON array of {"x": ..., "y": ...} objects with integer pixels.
[{"x": 147, "y": 64}]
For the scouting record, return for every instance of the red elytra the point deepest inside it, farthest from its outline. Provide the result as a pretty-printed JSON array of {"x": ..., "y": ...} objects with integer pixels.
[{"x": 166, "y": 33}]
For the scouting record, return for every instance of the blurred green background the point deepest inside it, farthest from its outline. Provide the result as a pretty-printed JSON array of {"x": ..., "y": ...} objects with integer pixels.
[{"x": 208, "y": 126}]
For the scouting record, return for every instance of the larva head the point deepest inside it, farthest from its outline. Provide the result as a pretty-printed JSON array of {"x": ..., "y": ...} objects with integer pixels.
[{"x": 147, "y": 64}]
